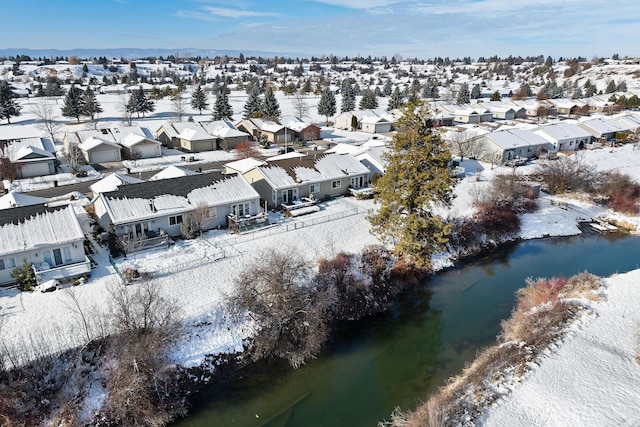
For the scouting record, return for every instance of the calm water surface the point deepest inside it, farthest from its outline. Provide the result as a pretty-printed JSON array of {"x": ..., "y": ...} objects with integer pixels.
[{"x": 398, "y": 359}]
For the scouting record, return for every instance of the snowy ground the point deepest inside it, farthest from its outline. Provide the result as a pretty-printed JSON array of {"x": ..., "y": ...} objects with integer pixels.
[{"x": 591, "y": 377}]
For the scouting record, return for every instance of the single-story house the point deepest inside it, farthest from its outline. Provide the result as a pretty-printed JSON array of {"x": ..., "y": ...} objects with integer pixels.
[
  {"x": 373, "y": 159},
  {"x": 146, "y": 211},
  {"x": 371, "y": 121},
  {"x": 317, "y": 177},
  {"x": 535, "y": 109},
  {"x": 565, "y": 136},
  {"x": 226, "y": 134},
  {"x": 50, "y": 239},
  {"x": 604, "y": 128},
  {"x": 629, "y": 121},
  {"x": 510, "y": 144},
  {"x": 193, "y": 138},
  {"x": 167, "y": 135},
  {"x": 498, "y": 110},
  {"x": 302, "y": 131},
  {"x": 97, "y": 150},
  {"x": 31, "y": 156}
]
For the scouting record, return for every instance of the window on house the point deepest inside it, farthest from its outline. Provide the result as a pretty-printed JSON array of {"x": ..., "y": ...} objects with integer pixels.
[
  {"x": 314, "y": 188},
  {"x": 2, "y": 267},
  {"x": 212, "y": 213},
  {"x": 175, "y": 220},
  {"x": 336, "y": 184},
  {"x": 10, "y": 263}
]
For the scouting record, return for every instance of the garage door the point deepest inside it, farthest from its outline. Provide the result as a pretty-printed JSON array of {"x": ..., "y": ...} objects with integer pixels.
[
  {"x": 103, "y": 156},
  {"x": 147, "y": 151},
  {"x": 34, "y": 169}
]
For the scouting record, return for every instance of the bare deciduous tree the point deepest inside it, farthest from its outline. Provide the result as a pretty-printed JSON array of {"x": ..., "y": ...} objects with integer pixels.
[
  {"x": 123, "y": 107},
  {"x": 461, "y": 143},
  {"x": 45, "y": 111},
  {"x": 179, "y": 105},
  {"x": 300, "y": 105},
  {"x": 289, "y": 311}
]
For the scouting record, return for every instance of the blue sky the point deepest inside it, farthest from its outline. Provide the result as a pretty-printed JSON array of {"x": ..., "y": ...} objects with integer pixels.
[{"x": 425, "y": 29}]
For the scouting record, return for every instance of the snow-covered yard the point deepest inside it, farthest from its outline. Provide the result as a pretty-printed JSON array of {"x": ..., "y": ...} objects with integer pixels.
[{"x": 593, "y": 371}]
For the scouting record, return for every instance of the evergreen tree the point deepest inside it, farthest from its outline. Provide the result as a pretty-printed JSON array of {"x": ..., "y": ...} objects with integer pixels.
[
  {"x": 252, "y": 106},
  {"x": 417, "y": 181},
  {"x": 269, "y": 107},
  {"x": 348, "y": 102},
  {"x": 395, "y": 100},
  {"x": 577, "y": 93},
  {"x": 74, "y": 103},
  {"x": 139, "y": 103},
  {"x": 368, "y": 100},
  {"x": 463, "y": 94},
  {"x": 199, "y": 100},
  {"x": 8, "y": 105},
  {"x": 222, "y": 108},
  {"x": 91, "y": 105},
  {"x": 495, "y": 96},
  {"x": 387, "y": 90},
  {"x": 327, "y": 104},
  {"x": 475, "y": 91},
  {"x": 25, "y": 276},
  {"x": 611, "y": 86}
]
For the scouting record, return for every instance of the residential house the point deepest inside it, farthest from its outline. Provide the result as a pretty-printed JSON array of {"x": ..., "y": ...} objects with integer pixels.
[
  {"x": 468, "y": 113},
  {"x": 510, "y": 144},
  {"x": 167, "y": 135},
  {"x": 137, "y": 142},
  {"x": 50, "y": 239},
  {"x": 604, "y": 129},
  {"x": 570, "y": 107},
  {"x": 227, "y": 135},
  {"x": 302, "y": 131},
  {"x": 274, "y": 132},
  {"x": 370, "y": 121},
  {"x": 98, "y": 150},
  {"x": 630, "y": 121},
  {"x": 498, "y": 110},
  {"x": 31, "y": 156},
  {"x": 565, "y": 136},
  {"x": 318, "y": 177},
  {"x": 534, "y": 108},
  {"x": 143, "y": 214},
  {"x": 193, "y": 138}
]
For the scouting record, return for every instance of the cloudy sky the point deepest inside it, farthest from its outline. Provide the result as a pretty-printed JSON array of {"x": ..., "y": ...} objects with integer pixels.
[{"x": 423, "y": 29}]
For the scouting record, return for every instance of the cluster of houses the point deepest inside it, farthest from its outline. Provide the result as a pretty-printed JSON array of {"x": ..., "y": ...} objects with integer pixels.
[{"x": 145, "y": 214}]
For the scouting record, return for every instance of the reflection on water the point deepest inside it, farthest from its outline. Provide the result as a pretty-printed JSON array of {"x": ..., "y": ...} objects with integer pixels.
[{"x": 398, "y": 359}]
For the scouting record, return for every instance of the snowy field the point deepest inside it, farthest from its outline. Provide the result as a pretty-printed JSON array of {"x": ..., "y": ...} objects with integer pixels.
[{"x": 591, "y": 376}]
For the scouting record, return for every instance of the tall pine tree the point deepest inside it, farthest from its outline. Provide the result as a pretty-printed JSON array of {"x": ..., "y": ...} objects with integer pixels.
[
  {"x": 369, "y": 101},
  {"x": 8, "y": 105},
  {"x": 270, "y": 108},
  {"x": 348, "y": 97},
  {"x": 252, "y": 106},
  {"x": 417, "y": 182},
  {"x": 327, "y": 104},
  {"x": 199, "y": 99},
  {"x": 139, "y": 103},
  {"x": 222, "y": 109},
  {"x": 74, "y": 103},
  {"x": 91, "y": 105},
  {"x": 395, "y": 100}
]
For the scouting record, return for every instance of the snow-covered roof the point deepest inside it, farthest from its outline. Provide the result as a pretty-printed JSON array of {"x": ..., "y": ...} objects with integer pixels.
[
  {"x": 44, "y": 229},
  {"x": 244, "y": 165},
  {"x": 602, "y": 125},
  {"x": 277, "y": 176},
  {"x": 191, "y": 132},
  {"x": 344, "y": 148},
  {"x": 222, "y": 129},
  {"x": 94, "y": 142},
  {"x": 17, "y": 149},
  {"x": 123, "y": 210},
  {"x": 559, "y": 131},
  {"x": 20, "y": 155},
  {"x": 112, "y": 182},
  {"x": 172, "y": 172},
  {"x": 14, "y": 199},
  {"x": 134, "y": 139},
  {"x": 103, "y": 134},
  {"x": 340, "y": 165},
  {"x": 510, "y": 139}
]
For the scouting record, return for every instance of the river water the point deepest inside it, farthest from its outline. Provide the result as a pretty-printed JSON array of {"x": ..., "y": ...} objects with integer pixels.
[{"x": 399, "y": 358}]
